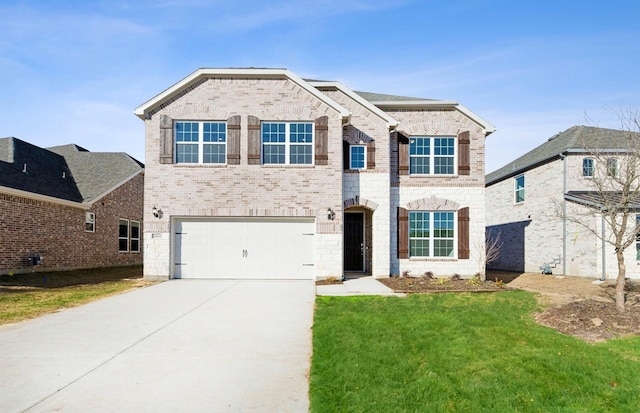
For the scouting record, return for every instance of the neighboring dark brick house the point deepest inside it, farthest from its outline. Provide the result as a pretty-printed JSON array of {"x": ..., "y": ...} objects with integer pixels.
[{"x": 71, "y": 207}]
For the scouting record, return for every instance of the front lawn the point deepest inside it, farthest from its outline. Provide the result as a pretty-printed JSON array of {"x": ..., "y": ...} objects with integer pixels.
[
  {"x": 461, "y": 353},
  {"x": 30, "y": 295}
]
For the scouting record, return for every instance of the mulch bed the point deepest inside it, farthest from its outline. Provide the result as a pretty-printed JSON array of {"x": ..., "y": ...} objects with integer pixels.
[{"x": 433, "y": 285}]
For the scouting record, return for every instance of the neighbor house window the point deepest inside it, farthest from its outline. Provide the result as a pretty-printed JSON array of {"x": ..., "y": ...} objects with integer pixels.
[
  {"x": 432, "y": 156},
  {"x": 587, "y": 167},
  {"x": 201, "y": 142},
  {"x": 123, "y": 235},
  {"x": 287, "y": 143},
  {"x": 519, "y": 188},
  {"x": 357, "y": 156},
  {"x": 134, "y": 241},
  {"x": 612, "y": 167},
  {"x": 431, "y": 234},
  {"x": 89, "y": 222}
]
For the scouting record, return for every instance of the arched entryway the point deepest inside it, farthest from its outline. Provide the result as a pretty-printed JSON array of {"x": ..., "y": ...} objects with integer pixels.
[{"x": 358, "y": 241}]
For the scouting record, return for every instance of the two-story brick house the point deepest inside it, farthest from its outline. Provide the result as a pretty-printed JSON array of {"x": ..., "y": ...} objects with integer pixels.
[
  {"x": 257, "y": 173},
  {"x": 530, "y": 197},
  {"x": 66, "y": 207}
]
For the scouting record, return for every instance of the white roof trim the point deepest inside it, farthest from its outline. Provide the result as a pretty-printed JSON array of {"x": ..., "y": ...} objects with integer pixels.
[
  {"x": 44, "y": 198},
  {"x": 391, "y": 122},
  {"x": 141, "y": 110},
  {"x": 488, "y": 127}
]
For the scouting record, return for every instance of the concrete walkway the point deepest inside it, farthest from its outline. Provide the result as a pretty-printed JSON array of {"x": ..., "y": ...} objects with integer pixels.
[
  {"x": 356, "y": 286},
  {"x": 178, "y": 346}
]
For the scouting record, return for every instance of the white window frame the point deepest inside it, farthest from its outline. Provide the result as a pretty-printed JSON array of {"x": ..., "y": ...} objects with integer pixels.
[
  {"x": 431, "y": 238},
  {"x": 638, "y": 238},
  {"x": 612, "y": 167},
  {"x": 588, "y": 171},
  {"x": 518, "y": 190},
  {"x": 200, "y": 142},
  {"x": 432, "y": 155},
  {"x": 90, "y": 219},
  {"x": 125, "y": 238},
  {"x": 132, "y": 224},
  {"x": 287, "y": 142},
  {"x": 364, "y": 158}
]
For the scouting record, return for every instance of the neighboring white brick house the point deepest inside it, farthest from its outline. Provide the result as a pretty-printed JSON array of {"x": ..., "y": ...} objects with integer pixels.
[
  {"x": 524, "y": 200},
  {"x": 257, "y": 173}
]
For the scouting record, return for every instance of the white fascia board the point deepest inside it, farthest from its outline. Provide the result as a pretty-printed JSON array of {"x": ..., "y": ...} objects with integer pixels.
[
  {"x": 435, "y": 104},
  {"x": 240, "y": 73},
  {"x": 43, "y": 198},
  {"x": 391, "y": 122}
]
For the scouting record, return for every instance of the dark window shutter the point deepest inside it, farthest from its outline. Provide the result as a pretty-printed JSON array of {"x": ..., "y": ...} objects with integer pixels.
[
  {"x": 463, "y": 233},
  {"x": 346, "y": 154},
  {"x": 233, "y": 140},
  {"x": 403, "y": 155},
  {"x": 322, "y": 140},
  {"x": 464, "y": 160},
  {"x": 253, "y": 144},
  {"x": 403, "y": 233},
  {"x": 166, "y": 139},
  {"x": 371, "y": 155}
]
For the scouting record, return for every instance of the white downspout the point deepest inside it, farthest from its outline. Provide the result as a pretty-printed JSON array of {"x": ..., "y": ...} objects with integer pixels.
[
  {"x": 604, "y": 267},
  {"x": 564, "y": 214}
]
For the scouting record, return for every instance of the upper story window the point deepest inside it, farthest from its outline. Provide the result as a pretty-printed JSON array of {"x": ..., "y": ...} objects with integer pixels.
[
  {"x": 588, "y": 167},
  {"x": 201, "y": 142},
  {"x": 89, "y": 222},
  {"x": 287, "y": 143},
  {"x": 432, "y": 156},
  {"x": 431, "y": 234},
  {"x": 612, "y": 167},
  {"x": 357, "y": 157},
  {"x": 519, "y": 189}
]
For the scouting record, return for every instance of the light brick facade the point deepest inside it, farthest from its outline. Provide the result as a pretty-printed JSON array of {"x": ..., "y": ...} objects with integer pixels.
[
  {"x": 533, "y": 233},
  {"x": 257, "y": 190}
]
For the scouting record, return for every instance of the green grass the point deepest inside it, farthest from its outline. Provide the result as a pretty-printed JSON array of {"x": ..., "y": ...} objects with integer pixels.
[
  {"x": 461, "y": 353},
  {"x": 25, "y": 296}
]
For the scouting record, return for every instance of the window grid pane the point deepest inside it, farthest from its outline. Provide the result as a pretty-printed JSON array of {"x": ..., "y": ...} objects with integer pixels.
[
  {"x": 214, "y": 132},
  {"x": 443, "y": 234},
  {"x": 187, "y": 153},
  {"x": 519, "y": 186},
  {"x": 123, "y": 235},
  {"x": 587, "y": 167},
  {"x": 214, "y": 153},
  {"x": 273, "y": 154},
  {"x": 287, "y": 143},
  {"x": 300, "y": 154},
  {"x": 187, "y": 131},
  {"x": 356, "y": 157}
]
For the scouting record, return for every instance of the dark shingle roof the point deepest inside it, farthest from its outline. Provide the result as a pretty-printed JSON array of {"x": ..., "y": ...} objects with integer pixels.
[
  {"x": 606, "y": 199},
  {"x": 381, "y": 97},
  {"x": 66, "y": 172},
  {"x": 33, "y": 169},
  {"x": 576, "y": 138},
  {"x": 95, "y": 173}
]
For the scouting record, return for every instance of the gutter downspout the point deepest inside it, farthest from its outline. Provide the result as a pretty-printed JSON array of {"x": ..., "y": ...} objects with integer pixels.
[
  {"x": 604, "y": 256},
  {"x": 564, "y": 213}
]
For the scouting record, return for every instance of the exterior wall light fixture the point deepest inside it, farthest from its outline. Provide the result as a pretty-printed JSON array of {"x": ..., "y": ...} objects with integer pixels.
[
  {"x": 331, "y": 215},
  {"x": 156, "y": 212}
]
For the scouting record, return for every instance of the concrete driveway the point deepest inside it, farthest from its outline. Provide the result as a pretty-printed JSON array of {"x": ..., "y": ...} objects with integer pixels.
[{"x": 178, "y": 346}]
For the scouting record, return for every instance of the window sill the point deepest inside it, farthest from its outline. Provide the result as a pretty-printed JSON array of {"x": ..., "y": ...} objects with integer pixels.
[
  {"x": 200, "y": 165},
  {"x": 288, "y": 166},
  {"x": 433, "y": 259}
]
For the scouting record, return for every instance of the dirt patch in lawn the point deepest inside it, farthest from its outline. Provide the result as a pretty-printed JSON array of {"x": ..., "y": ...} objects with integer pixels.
[{"x": 572, "y": 305}]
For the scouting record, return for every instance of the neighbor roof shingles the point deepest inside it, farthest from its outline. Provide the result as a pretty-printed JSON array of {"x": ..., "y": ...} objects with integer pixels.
[{"x": 578, "y": 138}]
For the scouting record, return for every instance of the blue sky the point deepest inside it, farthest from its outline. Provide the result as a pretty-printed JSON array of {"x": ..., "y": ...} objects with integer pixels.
[{"x": 73, "y": 71}]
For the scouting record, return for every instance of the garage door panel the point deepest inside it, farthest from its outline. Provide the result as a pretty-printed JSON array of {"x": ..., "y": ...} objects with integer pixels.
[{"x": 252, "y": 249}]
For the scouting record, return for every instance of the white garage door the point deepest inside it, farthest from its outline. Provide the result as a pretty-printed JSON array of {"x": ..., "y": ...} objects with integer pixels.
[{"x": 244, "y": 248}]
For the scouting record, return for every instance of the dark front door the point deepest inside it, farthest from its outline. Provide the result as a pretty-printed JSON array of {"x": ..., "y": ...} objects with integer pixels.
[{"x": 353, "y": 242}]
